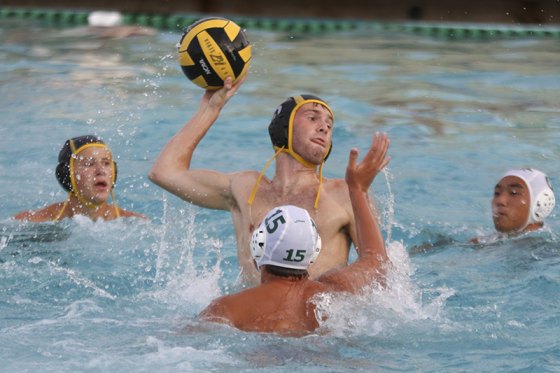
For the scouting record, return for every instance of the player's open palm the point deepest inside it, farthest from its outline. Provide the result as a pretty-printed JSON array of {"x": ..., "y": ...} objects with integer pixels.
[{"x": 361, "y": 175}]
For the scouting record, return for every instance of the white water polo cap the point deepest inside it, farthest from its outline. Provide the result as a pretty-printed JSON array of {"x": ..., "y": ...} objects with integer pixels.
[
  {"x": 540, "y": 191},
  {"x": 287, "y": 238}
]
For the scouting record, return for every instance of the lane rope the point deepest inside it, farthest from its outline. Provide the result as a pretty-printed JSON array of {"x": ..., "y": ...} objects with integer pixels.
[{"x": 177, "y": 22}]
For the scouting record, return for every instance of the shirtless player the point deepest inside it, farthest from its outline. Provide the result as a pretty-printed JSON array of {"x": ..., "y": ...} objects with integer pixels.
[{"x": 301, "y": 133}]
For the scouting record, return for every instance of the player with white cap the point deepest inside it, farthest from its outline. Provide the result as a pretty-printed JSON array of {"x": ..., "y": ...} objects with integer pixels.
[{"x": 523, "y": 198}]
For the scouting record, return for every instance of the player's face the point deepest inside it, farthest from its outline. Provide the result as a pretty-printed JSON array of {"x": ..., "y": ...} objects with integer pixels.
[
  {"x": 93, "y": 171},
  {"x": 312, "y": 132},
  {"x": 510, "y": 205}
]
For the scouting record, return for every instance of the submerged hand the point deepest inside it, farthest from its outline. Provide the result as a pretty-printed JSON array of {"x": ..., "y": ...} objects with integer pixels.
[{"x": 361, "y": 175}]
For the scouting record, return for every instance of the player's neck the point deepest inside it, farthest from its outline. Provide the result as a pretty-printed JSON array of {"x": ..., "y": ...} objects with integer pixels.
[
  {"x": 290, "y": 171},
  {"x": 269, "y": 278},
  {"x": 533, "y": 227},
  {"x": 94, "y": 212}
]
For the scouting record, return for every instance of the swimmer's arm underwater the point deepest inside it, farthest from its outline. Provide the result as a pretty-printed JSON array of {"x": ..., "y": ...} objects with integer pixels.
[
  {"x": 171, "y": 171},
  {"x": 372, "y": 254}
]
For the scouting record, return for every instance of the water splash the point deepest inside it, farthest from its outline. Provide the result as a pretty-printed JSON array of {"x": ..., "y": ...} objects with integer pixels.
[
  {"x": 82, "y": 281},
  {"x": 4, "y": 242},
  {"x": 381, "y": 310},
  {"x": 389, "y": 211},
  {"x": 179, "y": 277}
]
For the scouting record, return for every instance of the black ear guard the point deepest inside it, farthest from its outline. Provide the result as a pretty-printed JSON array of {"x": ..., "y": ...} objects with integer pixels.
[{"x": 63, "y": 176}]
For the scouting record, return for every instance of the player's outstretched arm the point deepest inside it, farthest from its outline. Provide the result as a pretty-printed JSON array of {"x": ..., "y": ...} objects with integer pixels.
[
  {"x": 172, "y": 169},
  {"x": 371, "y": 246}
]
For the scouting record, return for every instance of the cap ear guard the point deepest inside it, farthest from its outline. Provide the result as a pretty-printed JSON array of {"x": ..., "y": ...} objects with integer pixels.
[
  {"x": 317, "y": 250},
  {"x": 544, "y": 204},
  {"x": 258, "y": 242},
  {"x": 62, "y": 173}
]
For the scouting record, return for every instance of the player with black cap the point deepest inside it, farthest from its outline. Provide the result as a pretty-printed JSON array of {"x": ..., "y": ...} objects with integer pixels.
[
  {"x": 87, "y": 171},
  {"x": 301, "y": 134},
  {"x": 283, "y": 247}
]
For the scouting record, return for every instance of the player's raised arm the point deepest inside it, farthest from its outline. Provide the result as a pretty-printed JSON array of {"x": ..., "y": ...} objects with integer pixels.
[
  {"x": 172, "y": 171},
  {"x": 371, "y": 246}
]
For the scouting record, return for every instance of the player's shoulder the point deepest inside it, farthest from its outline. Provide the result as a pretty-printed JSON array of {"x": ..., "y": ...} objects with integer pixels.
[
  {"x": 336, "y": 183},
  {"x": 337, "y": 188},
  {"x": 245, "y": 174},
  {"x": 131, "y": 214},
  {"x": 217, "y": 311},
  {"x": 246, "y": 178},
  {"x": 44, "y": 214}
]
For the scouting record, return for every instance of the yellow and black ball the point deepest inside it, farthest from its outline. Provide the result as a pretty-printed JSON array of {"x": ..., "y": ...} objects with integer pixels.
[{"x": 213, "y": 49}]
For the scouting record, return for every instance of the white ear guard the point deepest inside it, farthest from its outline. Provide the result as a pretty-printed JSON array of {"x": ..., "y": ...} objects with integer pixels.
[
  {"x": 544, "y": 204},
  {"x": 257, "y": 244},
  {"x": 317, "y": 250},
  {"x": 541, "y": 192}
]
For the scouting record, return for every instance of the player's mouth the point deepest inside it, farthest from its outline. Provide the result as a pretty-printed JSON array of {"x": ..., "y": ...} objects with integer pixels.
[{"x": 319, "y": 141}]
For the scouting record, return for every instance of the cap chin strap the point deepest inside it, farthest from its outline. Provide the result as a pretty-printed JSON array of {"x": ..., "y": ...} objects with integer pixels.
[
  {"x": 57, "y": 218},
  {"x": 300, "y": 101},
  {"x": 115, "y": 206},
  {"x": 298, "y": 158},
  {"x": 295, "y": 155},
  {"x": 256, "y": 186},
  {"x": 316, "y": 204}
]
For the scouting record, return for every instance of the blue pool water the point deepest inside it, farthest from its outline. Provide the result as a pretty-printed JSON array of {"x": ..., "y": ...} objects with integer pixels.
[{"x": 123, "y": 296}]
